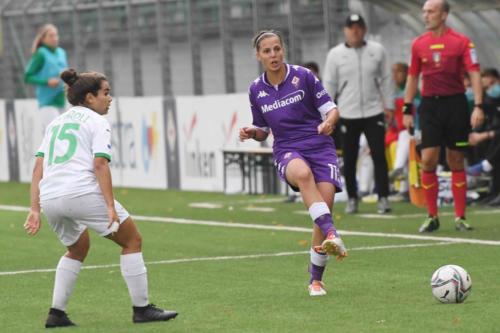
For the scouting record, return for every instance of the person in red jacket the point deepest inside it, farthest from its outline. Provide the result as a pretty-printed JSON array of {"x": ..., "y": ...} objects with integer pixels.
[{"x": 442, "y": 56}]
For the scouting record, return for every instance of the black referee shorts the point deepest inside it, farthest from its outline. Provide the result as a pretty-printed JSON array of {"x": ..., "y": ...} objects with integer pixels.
[{"x": 445, "y": 120}]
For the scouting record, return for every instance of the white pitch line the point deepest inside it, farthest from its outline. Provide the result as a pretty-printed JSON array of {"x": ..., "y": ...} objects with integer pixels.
[
  {"x": 413, "y": 215},
  {"x": 14, "y": 208},
  {"x": 304, "y": 212},
  {"x": 430, "y": 238},
  {"x": 487, "y": 211},
  {"x": 249, "y": 201},
  {"x": 206, "y": 205},
  {"x": 223, "y": 258},
  {"x": 378, "y": 216},
  {"x": 308, "y": 230},
  {"x": 420, "y": 215},
  {"x": 260, "y": 209},
  {"x": 183, "y": 221},
  {"x": 367, "y": 216}
]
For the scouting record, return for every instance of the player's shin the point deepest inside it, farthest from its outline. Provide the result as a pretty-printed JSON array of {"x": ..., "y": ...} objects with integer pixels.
[
  {"x": 431, "y": 190},
  {"x": 320, "y": 214},
  {"x": 66, "y": 274},
  {"x": 135, "y": 275},
  {"x": 317, "y": 266}
]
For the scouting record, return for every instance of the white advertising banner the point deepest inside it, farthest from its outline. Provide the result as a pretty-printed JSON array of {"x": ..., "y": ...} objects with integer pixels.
[
  {"x": 207, "y": 125},
  {"x": 30, "y": 133},
  {"x": 139, "y": 150},
  {"x": 112, "y": 118},
  {"x": 4, "y": 166}
]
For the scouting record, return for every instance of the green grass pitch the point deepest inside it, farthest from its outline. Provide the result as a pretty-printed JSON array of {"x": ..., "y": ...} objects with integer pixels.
[{"x": 225, "y": 278}]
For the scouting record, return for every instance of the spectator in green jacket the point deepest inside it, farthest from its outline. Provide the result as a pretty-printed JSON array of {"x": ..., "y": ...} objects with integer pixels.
[{"x": 47, "y": 61}]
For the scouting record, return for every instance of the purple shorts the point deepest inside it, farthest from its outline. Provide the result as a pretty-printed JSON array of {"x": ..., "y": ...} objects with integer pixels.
[{"x": 323, "y": 164}]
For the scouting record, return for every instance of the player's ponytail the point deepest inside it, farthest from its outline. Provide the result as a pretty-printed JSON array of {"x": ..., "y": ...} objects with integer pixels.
[{"x": 69, "y": 76}]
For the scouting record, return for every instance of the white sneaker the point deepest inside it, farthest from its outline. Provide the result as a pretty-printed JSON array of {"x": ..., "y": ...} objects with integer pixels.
[
  {"x": 334, "y": 245},
  {"x": 317, "y": 288}
]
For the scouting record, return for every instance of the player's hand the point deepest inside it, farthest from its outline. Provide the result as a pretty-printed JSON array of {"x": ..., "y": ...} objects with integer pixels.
[
  {"x": 325, "y": 128},
  {"x": 477, "y": 117},
  {"x": 247, "y": 133},
  {"x": 113, "y": 217},
  {"x": 408, "y": 121},
  {"x": 32, "y": 224},
  {"x": 53, "y": 82}
]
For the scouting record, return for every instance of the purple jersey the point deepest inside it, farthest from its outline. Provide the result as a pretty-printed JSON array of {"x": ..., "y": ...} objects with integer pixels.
[{"x": 292, "y": 110}]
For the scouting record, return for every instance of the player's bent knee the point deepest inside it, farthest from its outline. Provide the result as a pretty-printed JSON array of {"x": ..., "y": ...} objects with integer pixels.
[
  {"x": 303, "y": 175},
  {"x": 300, "y": 174},
  {"x": 133, "y": 241}
]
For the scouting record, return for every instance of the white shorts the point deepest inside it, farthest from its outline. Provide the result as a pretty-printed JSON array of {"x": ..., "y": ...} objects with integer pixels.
[{"x": 69, "y": 217}]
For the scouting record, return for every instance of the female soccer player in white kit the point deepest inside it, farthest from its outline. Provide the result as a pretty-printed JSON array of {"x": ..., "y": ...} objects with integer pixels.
[{"x": 72, "y": 183}]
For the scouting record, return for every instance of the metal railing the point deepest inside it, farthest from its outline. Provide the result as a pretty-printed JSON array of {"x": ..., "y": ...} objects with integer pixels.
[
  {"x": 101, "y": 25},
  {"x": 143, "y": 38}
]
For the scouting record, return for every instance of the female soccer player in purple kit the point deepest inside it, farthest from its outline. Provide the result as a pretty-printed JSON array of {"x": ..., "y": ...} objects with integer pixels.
[{"x": 292, "y": 103}]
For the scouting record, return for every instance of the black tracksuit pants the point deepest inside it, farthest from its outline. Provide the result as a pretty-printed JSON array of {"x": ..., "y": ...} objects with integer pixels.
[{"x": 374, "y": 130}]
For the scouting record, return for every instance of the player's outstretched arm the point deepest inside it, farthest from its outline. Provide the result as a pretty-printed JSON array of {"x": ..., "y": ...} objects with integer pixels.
[{"x": 33, "y": 222}]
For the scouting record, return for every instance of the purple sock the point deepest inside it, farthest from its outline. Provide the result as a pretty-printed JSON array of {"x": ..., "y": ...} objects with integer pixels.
[
  {"x": 325, "y": 223},
  {"x": 316, "y": 272}
]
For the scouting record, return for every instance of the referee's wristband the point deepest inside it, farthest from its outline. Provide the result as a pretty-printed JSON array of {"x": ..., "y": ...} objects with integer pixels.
[
  {"x": 408, "y": 109},
  {"x": 478, "y": 106}
]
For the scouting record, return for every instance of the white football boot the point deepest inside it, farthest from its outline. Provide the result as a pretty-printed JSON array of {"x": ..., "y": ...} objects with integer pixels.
[
  {"x": 334, "y": 246},
  {"x": 317, "y": 288}
]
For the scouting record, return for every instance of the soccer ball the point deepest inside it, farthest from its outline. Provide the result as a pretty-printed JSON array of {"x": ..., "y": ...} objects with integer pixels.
[{"x": 451, "y": 284}]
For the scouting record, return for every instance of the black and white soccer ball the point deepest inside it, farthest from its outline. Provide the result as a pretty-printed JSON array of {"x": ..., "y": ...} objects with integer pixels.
[{"x": 451, "y": 284}]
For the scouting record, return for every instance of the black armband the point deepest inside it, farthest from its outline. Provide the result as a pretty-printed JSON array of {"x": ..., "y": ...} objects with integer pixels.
[{"x": 408, "y": 109}]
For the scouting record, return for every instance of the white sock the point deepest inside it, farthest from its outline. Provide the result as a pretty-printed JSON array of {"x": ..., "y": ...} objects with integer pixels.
[
  {"x": 487, "y": 167},
  {"x": 318, "y": 209},
  {"x": 318, "y": 259},
  {"x": 135, "y": 275},
  {"x": 66, "y": 273},
  {"x": 317, "y": 267}
]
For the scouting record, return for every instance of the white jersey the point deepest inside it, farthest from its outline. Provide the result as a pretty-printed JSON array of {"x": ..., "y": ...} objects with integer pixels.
[{"x": 70, "y": 144}]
